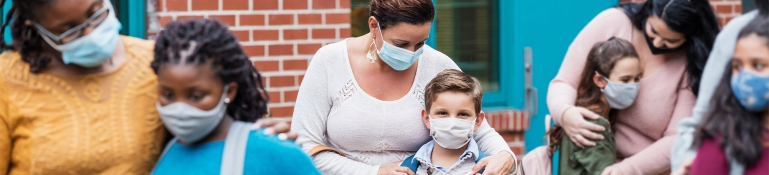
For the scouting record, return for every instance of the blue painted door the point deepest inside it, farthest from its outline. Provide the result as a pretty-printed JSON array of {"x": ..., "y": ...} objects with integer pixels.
[{"x": 548, "y": 28}]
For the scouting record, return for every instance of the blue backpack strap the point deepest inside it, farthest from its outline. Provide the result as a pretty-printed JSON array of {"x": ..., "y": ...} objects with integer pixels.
[
  {"x": 481, "y": 155},
  {"x": 411, "y": 163}
]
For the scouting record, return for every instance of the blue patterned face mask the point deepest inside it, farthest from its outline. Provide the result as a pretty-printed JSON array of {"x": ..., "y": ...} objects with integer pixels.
[
  {"x": 752, "y": 90},
  {"x": 398, "y": 58}
]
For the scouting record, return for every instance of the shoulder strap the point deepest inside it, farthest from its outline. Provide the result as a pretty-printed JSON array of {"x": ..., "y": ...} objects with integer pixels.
[
  {"x": 481, "y": 155},
  {"x": 165, "y": 150},
  {"x": 411, "y": 163},
  {"x": 234, "y": 154}
]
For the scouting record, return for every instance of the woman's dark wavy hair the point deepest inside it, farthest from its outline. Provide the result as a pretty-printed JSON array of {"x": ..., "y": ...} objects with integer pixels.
[
  {"x": 601, "y": 59},
  {"x": 215, "y": 43},
  {"x": 26, "y": 40},
  {"x": 693, "y": 18},
  {"x": 391, "y": 12},
  {"x": 738, "y": 128}
]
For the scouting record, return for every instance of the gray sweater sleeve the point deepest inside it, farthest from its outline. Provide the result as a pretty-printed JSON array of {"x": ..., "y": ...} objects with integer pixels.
[{"x": 720, "y": 56}]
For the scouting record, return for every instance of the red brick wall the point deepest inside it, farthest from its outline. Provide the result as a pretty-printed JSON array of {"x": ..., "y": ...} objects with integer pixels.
[
  {"x": 511, "y": 124},
  {"x": 280, "y": 35},
  {"x": 725, "y": 9}
]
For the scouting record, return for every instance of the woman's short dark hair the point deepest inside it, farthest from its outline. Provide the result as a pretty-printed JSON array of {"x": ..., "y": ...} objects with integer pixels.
[
  {"x": 26, "y": 40},
  {"x": 693, "y": 18},
  {"x": 214, "y": 43},
  {"x": 738, "y": 128},
  {"x": 763, "y": 7},
  {"x": 391, "y": 12}
]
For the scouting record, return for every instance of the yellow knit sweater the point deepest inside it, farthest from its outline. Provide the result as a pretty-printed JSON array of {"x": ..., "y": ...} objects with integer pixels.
[{"x": 103, "y": 123}]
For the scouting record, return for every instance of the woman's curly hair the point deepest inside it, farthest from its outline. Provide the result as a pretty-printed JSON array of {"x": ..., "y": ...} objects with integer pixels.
[{"x": 26, "y": 40}]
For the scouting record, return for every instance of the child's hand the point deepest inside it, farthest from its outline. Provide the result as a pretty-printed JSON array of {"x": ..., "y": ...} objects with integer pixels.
[
  {"x": 394, "y": 169},
  {"x": 611, "y": 170}
]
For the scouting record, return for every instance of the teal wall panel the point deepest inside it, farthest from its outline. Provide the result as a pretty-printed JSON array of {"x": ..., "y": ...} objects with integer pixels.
[{"x": 548, "y": 27}]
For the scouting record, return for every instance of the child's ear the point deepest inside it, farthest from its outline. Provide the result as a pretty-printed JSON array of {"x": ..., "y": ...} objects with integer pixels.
[
  {"x": 599, "y": 81},
  {"x": 479, "y": 120},
  {"x": 232, "y": 91},
  {"x": 426, "y": 119}
]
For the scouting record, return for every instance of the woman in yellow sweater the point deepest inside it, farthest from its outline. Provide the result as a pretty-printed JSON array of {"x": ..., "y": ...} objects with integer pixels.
[{"x": 76, "y": 97}]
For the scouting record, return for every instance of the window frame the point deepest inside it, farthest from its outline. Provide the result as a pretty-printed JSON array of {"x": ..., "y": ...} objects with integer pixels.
[
  {"x": 501, "y": 98},
  {"x": 132, "y": 15}
]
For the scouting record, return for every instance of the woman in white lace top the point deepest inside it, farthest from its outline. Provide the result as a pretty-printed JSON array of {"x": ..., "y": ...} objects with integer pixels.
[{"x": 358, "y": 108}]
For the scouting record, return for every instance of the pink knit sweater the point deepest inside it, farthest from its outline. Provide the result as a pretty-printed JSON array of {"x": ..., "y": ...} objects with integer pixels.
[{"x": 645, "y": 131}]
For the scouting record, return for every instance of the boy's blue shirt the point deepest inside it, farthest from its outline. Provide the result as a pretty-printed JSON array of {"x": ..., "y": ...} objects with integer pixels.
[{"x": 425, "y": 152}]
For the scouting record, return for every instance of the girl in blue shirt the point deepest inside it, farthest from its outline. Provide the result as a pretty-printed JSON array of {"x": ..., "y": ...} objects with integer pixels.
[{"x": 210, "y": 93}]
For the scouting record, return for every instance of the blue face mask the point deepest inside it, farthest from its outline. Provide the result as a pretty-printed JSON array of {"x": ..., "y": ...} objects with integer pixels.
[
  {"x": 752, "y": 90},
  {"x": 398, "y": 58},
  {"x": 93, "y": 49}
]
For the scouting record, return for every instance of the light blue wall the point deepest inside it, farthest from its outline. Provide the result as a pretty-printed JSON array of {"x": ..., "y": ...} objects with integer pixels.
[
  {"x": 133, "y": 15},
  {"x": 7, "y": 34},
  {"x": 548, "y": 27}
]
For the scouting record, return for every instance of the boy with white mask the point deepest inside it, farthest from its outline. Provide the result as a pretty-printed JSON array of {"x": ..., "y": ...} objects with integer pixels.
[{"x": 452, "y": 114}]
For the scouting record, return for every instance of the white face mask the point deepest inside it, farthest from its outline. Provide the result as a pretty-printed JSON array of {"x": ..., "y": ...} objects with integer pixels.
[
  {"x": 620, "y": 96},
  {"x": 451, "y": 133},
  {"x": 189, "y": 123}
]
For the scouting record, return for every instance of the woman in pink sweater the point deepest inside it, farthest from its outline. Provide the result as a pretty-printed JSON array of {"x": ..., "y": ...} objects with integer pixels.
[{"x": 673, "y": 39}]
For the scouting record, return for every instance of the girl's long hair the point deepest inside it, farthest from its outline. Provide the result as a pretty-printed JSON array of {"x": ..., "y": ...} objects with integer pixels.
[{"x": 601, "y": 59}]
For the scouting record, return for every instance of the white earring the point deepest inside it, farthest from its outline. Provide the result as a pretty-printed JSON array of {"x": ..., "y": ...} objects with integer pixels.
[{"x": 226, "y": 100}]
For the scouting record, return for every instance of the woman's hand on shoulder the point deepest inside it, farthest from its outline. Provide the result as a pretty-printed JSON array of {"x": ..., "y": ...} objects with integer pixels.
[
  {"x": 580, "y": 130},
  {"x": 274, "y": 126},
  {"x": 394, "y": 169},
  {"x": 501, "y": 163}
]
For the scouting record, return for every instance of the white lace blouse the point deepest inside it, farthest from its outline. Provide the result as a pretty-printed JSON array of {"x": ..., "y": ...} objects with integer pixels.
[{"x": 332, "y": 110}]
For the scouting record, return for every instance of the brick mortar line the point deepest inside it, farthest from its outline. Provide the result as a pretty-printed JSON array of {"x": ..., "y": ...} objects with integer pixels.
[
  {"x": 273, "y": 42},
  {"x": 278, "y": 27},
  {"x": 278, "y": 59},
  {"x": 298, "y": 26},
  {"x": 189, "y": 5},
  {"x": 286, "y": 59},
  {"x": 253, "y": 12},
  {"x": 285, "y": 88},
  {"x": 284, "y": 73},
  {"x": 282, "y": 104}
]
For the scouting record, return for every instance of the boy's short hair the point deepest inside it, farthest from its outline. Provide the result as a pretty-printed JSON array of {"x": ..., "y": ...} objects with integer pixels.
[{"x": 452, "y": 80}]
